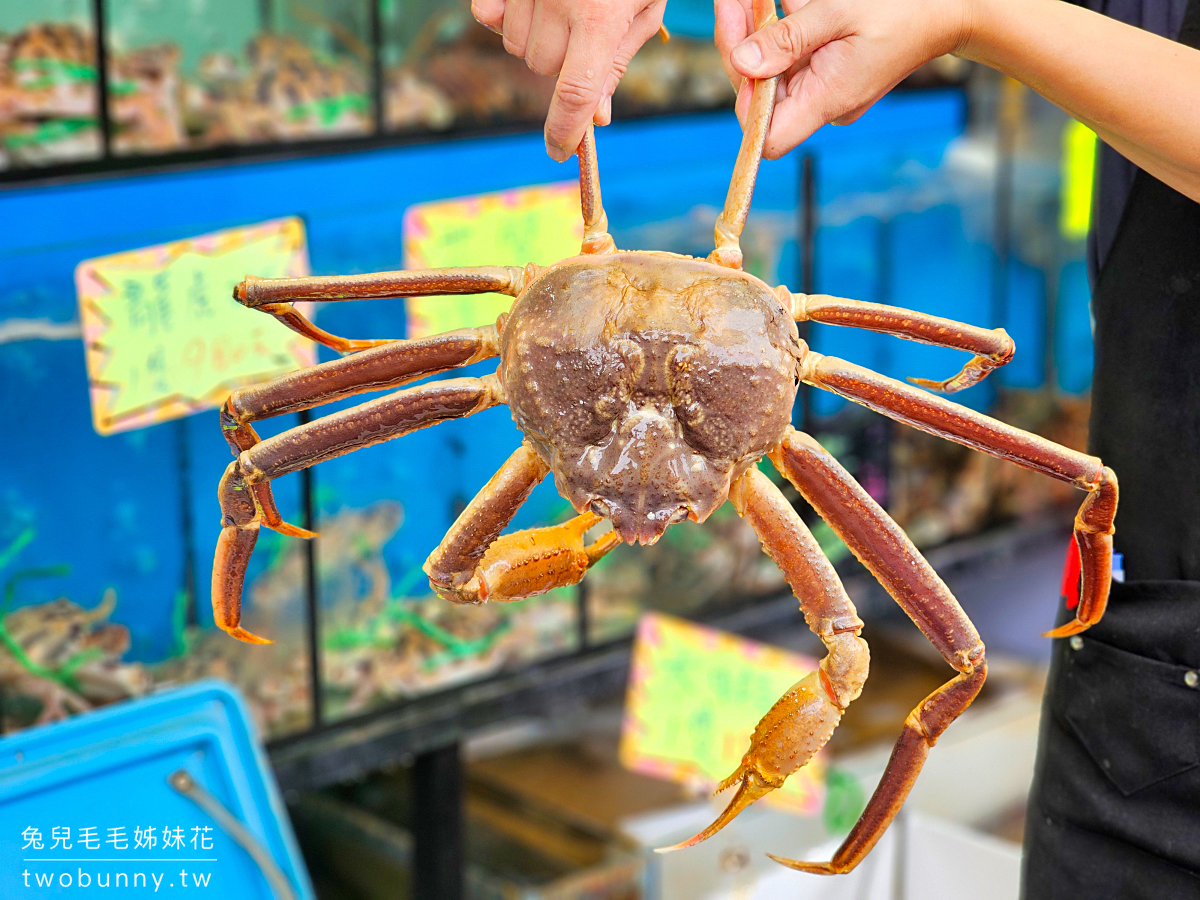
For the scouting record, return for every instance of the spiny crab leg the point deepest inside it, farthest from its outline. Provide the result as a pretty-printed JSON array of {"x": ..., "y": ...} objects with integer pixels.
[
  {"x": 802, "y": 720},
  {"x": 732, "y": 219},
  {"x": 596, "y": 238},
  {"x": 276, "y": 295},
  {"x": 369, "y": 423},
  {"x": 881, "y": 546},
  {"x": 474, "y": 563},
  {"x": 941, "y": 417},
  {"x": 388, "y": 366},
  {"x": 992, "y": 346}
]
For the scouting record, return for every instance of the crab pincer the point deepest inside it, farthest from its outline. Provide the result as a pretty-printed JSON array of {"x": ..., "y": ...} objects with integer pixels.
[
  {"x": 239, "y": 532},
  {"x": 788, "y": 736}
]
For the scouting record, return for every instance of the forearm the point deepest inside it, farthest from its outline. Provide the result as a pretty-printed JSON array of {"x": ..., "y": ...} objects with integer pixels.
[{"x": 1139, "y": 92}]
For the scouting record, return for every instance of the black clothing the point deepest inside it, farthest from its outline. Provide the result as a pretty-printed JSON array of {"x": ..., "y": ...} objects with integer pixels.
[
  {"x": 1115, "y": 807},
  {"x": 1116, "y": 173}
]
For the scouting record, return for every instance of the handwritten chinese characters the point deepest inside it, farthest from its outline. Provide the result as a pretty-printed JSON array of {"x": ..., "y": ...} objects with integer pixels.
[{"x": 163, "y": 335}]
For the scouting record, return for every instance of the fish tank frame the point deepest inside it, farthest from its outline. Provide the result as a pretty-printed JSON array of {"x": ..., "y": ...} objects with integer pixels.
[{"x": 446, "y": 77}]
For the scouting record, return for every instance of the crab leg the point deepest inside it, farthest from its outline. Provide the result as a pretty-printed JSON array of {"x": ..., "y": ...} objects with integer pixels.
[
  {"x": 389, "y": 365},
  {"x": 596, "y": 238},
  {"x": 474, "y": 563},
  {"x": 992, "y": 347},
  {"x": 732, "y": 219},
  {"x": 886, "y": 551},
  {"x": 937, "y": 415},
  {"x": 275, "y": 295},
  {"x": 800, "y": 723},
  {"x": 365, "y": 425}
]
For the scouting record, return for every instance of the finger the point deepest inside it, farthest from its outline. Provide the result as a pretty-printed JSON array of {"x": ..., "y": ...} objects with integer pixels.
[
  {"x": 489, "y": 13},
  {"x": 742, "y": 105},
  {"x": 734, "y": 22},
  {"x": 853, "y": 116},
  {"x": 810, "y": 102},
  {"x": 645, "y": 26},
  {"x": 518, "y": 17},
  {"x": 782, "y": 44},
  {"x": 590, "y": 53},
  {"x": 546, "y": 47}
]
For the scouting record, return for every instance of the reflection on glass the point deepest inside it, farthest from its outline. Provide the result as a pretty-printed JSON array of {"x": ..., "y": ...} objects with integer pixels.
[
  {"x": 443, "y": 69},
  {"x": 214, "y": 72},
  {"x": 48, "y": 94},
  {"x": 682, "y": 74}
]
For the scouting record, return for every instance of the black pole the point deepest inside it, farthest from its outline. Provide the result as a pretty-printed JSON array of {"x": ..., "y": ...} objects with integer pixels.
[
  {"x": 102, "y": 78},
  {"x": 1007, "y": 121},
  {"x": 808, "y": 263},
  {"x": 377, "y": 93},
  {"x": 314, "y": 607},
  {"x": 437, "y": 826},
  {"x": 582, "y": 623},
  {"x": 185, "y": 515}
]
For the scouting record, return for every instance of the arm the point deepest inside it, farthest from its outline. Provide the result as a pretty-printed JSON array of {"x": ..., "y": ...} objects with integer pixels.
[
  {"x": 1138, "y": 91},
  {"x": 587, "y": 43}
]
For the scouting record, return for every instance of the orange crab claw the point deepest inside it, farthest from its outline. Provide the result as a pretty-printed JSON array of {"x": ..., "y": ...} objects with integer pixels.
[
  {"x": 751, "y": 787},
  {"x": 824, "y": 868}
]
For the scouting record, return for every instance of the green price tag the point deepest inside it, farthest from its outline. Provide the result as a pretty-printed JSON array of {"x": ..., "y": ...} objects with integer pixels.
[
  {"x": 535, "y": 224},
  {"x": 695, "y": 695},
  {"x": 165, "y": 338}
]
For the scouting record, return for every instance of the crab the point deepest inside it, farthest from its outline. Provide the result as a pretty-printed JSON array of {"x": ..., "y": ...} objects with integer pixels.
[{"x": 652, "y": 385}]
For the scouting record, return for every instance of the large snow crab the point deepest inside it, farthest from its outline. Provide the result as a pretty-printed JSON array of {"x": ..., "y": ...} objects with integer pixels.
[{"x": 651, "y": 385}]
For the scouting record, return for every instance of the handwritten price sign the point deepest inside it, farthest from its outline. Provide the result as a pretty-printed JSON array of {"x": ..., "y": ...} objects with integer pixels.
[
  {"x": 164, "y": 337},
  {"x": 695, "y": 695},
  {"x": 511, "y": 228}
]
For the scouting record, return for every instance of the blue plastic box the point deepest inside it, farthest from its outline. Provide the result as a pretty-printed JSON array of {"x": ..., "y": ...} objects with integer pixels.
[{"x": 87, "y": 803}]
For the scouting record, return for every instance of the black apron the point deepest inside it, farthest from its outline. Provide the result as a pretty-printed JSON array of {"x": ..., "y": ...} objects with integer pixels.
[{"x": 1114, "y": 811}]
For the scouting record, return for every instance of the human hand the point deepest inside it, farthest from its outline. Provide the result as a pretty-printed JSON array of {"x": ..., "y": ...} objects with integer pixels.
[
  {"x": 587, "y": 43},
  {"x": 836, "y": 57}
]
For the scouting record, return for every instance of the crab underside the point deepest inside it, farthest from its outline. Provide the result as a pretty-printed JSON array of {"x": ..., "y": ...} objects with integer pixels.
[{"x": 650, "y": 385}]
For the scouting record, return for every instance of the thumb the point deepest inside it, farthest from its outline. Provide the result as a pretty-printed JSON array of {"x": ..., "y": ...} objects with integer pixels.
[{"x": 782, "y": 44}]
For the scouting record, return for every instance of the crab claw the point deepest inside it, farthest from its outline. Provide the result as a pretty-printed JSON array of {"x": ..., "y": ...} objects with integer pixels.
[
  {"x": 786, "y": 738},
  {"x": 234, "y": 547},
  {"x": 239, "y": 533},
  {"x": 824, "y": 868},
  {"x": 270, "y": 513},
  {"x": 751, "y": 787}
]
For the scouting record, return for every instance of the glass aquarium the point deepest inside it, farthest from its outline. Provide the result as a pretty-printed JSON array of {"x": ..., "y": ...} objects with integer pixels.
[
  {"x": 221, "y": 72},
  {"x": 443, "y": 70},
  {"x": 48, "y": 86}
]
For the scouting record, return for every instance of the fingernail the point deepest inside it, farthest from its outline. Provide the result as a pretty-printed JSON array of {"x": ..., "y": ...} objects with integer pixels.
[
  {"x": 558, "y": 154},
  {"x": 606, "y": 110},
  {"x": 746, "y": 56}
]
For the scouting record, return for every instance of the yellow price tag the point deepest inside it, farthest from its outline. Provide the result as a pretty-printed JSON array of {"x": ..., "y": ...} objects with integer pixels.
[
  {"x": 163, "y": 335},
  {"x": 694, "y": 697},
  {"x": 511, "y": 228},
  {"x": 1078, "y": 175}
]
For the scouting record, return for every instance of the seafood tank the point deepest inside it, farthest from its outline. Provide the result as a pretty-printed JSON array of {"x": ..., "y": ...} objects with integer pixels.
[
  {"x": 442, "y": 71},
  {"x": 49, "y": 96},
  {"x": 221, "y": 72}
]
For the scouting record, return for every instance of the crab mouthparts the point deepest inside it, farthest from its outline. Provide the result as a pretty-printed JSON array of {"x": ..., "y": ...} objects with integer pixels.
[{"x": 637, "y": 525}]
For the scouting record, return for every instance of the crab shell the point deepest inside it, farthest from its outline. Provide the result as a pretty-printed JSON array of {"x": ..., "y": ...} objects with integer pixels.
[{"x": 648, "y": 382}]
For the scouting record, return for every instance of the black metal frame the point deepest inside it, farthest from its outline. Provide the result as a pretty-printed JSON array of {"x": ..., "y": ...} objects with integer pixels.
[{"x": 109, "y": 164}]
